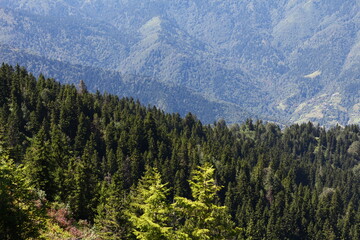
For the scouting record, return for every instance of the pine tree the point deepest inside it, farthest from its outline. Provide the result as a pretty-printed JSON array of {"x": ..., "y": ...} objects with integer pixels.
[
  {"x": 40, "y": 165},
  {"x": 204, "y": 219},
  {"x": 14, "y": 135},
  {"x": 148, "y": 211},
  {"x": 60, "y": 155},
  {"x": 111, "y": 223},
  {"x": 83, "y": 179},
  {"x": 21, "y": 215},
  {"x": 82, "y": 134}
]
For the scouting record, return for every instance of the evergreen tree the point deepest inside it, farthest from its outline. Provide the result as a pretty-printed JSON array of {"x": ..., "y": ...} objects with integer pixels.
[
  {"x": 21, "y": 212},
  {"x": 203, "y": 218},
  {"x": 39, "y": 164},
  {"x": 111, "y": 222},
  {"x": 83, "y": 182},
  {"x": 148, "y": 211},
  {"x": 60, "y": 156},
  {"x": 82, "y": 134}
]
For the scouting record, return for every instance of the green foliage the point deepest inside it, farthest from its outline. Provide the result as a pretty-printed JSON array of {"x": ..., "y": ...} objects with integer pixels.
[
  {"x": 40, "y": 167},
  {"x": 83, "y": 182},
  {"x": 21, "y": 212},
  {"x": 90, "y": 152},
  {"x": 111, "y": 222},
  {"x": 148, "y": 211},
  {"x": 203, "y": 218}
]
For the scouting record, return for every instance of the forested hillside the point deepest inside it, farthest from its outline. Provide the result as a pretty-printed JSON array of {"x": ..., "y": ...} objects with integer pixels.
[
  {"x": 287, "y": 61},
  {"x": 81, "y": 165}
]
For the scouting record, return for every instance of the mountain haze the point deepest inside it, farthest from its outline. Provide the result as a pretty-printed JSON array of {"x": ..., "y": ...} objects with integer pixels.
[{"x": 285, "y": 61}]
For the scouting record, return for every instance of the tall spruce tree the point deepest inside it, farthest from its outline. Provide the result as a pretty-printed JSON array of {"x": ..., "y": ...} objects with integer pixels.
[
  {"x": 148, "y": 211},
  {"x": 20, "y": 217},
  {"x": 203, "y": 218},
  {"x": 40, "y": 165},
  {"x": 83, "y": 179},
  {"x": 111, "y": 222}
]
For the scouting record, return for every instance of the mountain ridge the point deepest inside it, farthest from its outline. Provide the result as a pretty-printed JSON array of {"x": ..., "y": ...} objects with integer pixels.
[
  {"x": 256, "y": 55},
  {"x": 126, "y": 85}
]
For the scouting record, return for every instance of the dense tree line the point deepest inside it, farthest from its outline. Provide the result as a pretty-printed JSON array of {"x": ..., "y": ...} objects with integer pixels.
[{"x": 134, "y": 172}]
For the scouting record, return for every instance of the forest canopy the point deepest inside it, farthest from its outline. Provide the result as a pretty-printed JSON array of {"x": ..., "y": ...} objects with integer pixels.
[{"x": 76, "y": 164}]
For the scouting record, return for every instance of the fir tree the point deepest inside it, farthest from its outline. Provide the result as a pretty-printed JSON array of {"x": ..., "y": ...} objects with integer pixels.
[
  {"x": 204, "y": 219},
  {"x": 39, "y": 164},
  {"x": 148, "y": 211},
  {"x": 21, "y": 212}
]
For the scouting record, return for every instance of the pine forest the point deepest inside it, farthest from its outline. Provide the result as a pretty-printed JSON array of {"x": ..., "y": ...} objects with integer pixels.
[{"x": 81, "y": 165}]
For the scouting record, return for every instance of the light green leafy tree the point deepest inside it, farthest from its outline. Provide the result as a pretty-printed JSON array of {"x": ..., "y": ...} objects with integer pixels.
[
  {"x": 21, "y": 215},
  {"x": 148, "y": 211},
  {"x": 203, "y": 218}
]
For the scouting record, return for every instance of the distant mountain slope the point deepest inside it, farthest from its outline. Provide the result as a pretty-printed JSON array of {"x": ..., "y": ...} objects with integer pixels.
[
  {"x": 69, "y": 39},
  {"x": 289, "y": 61},
  {"x": 168, "y": 98}
]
